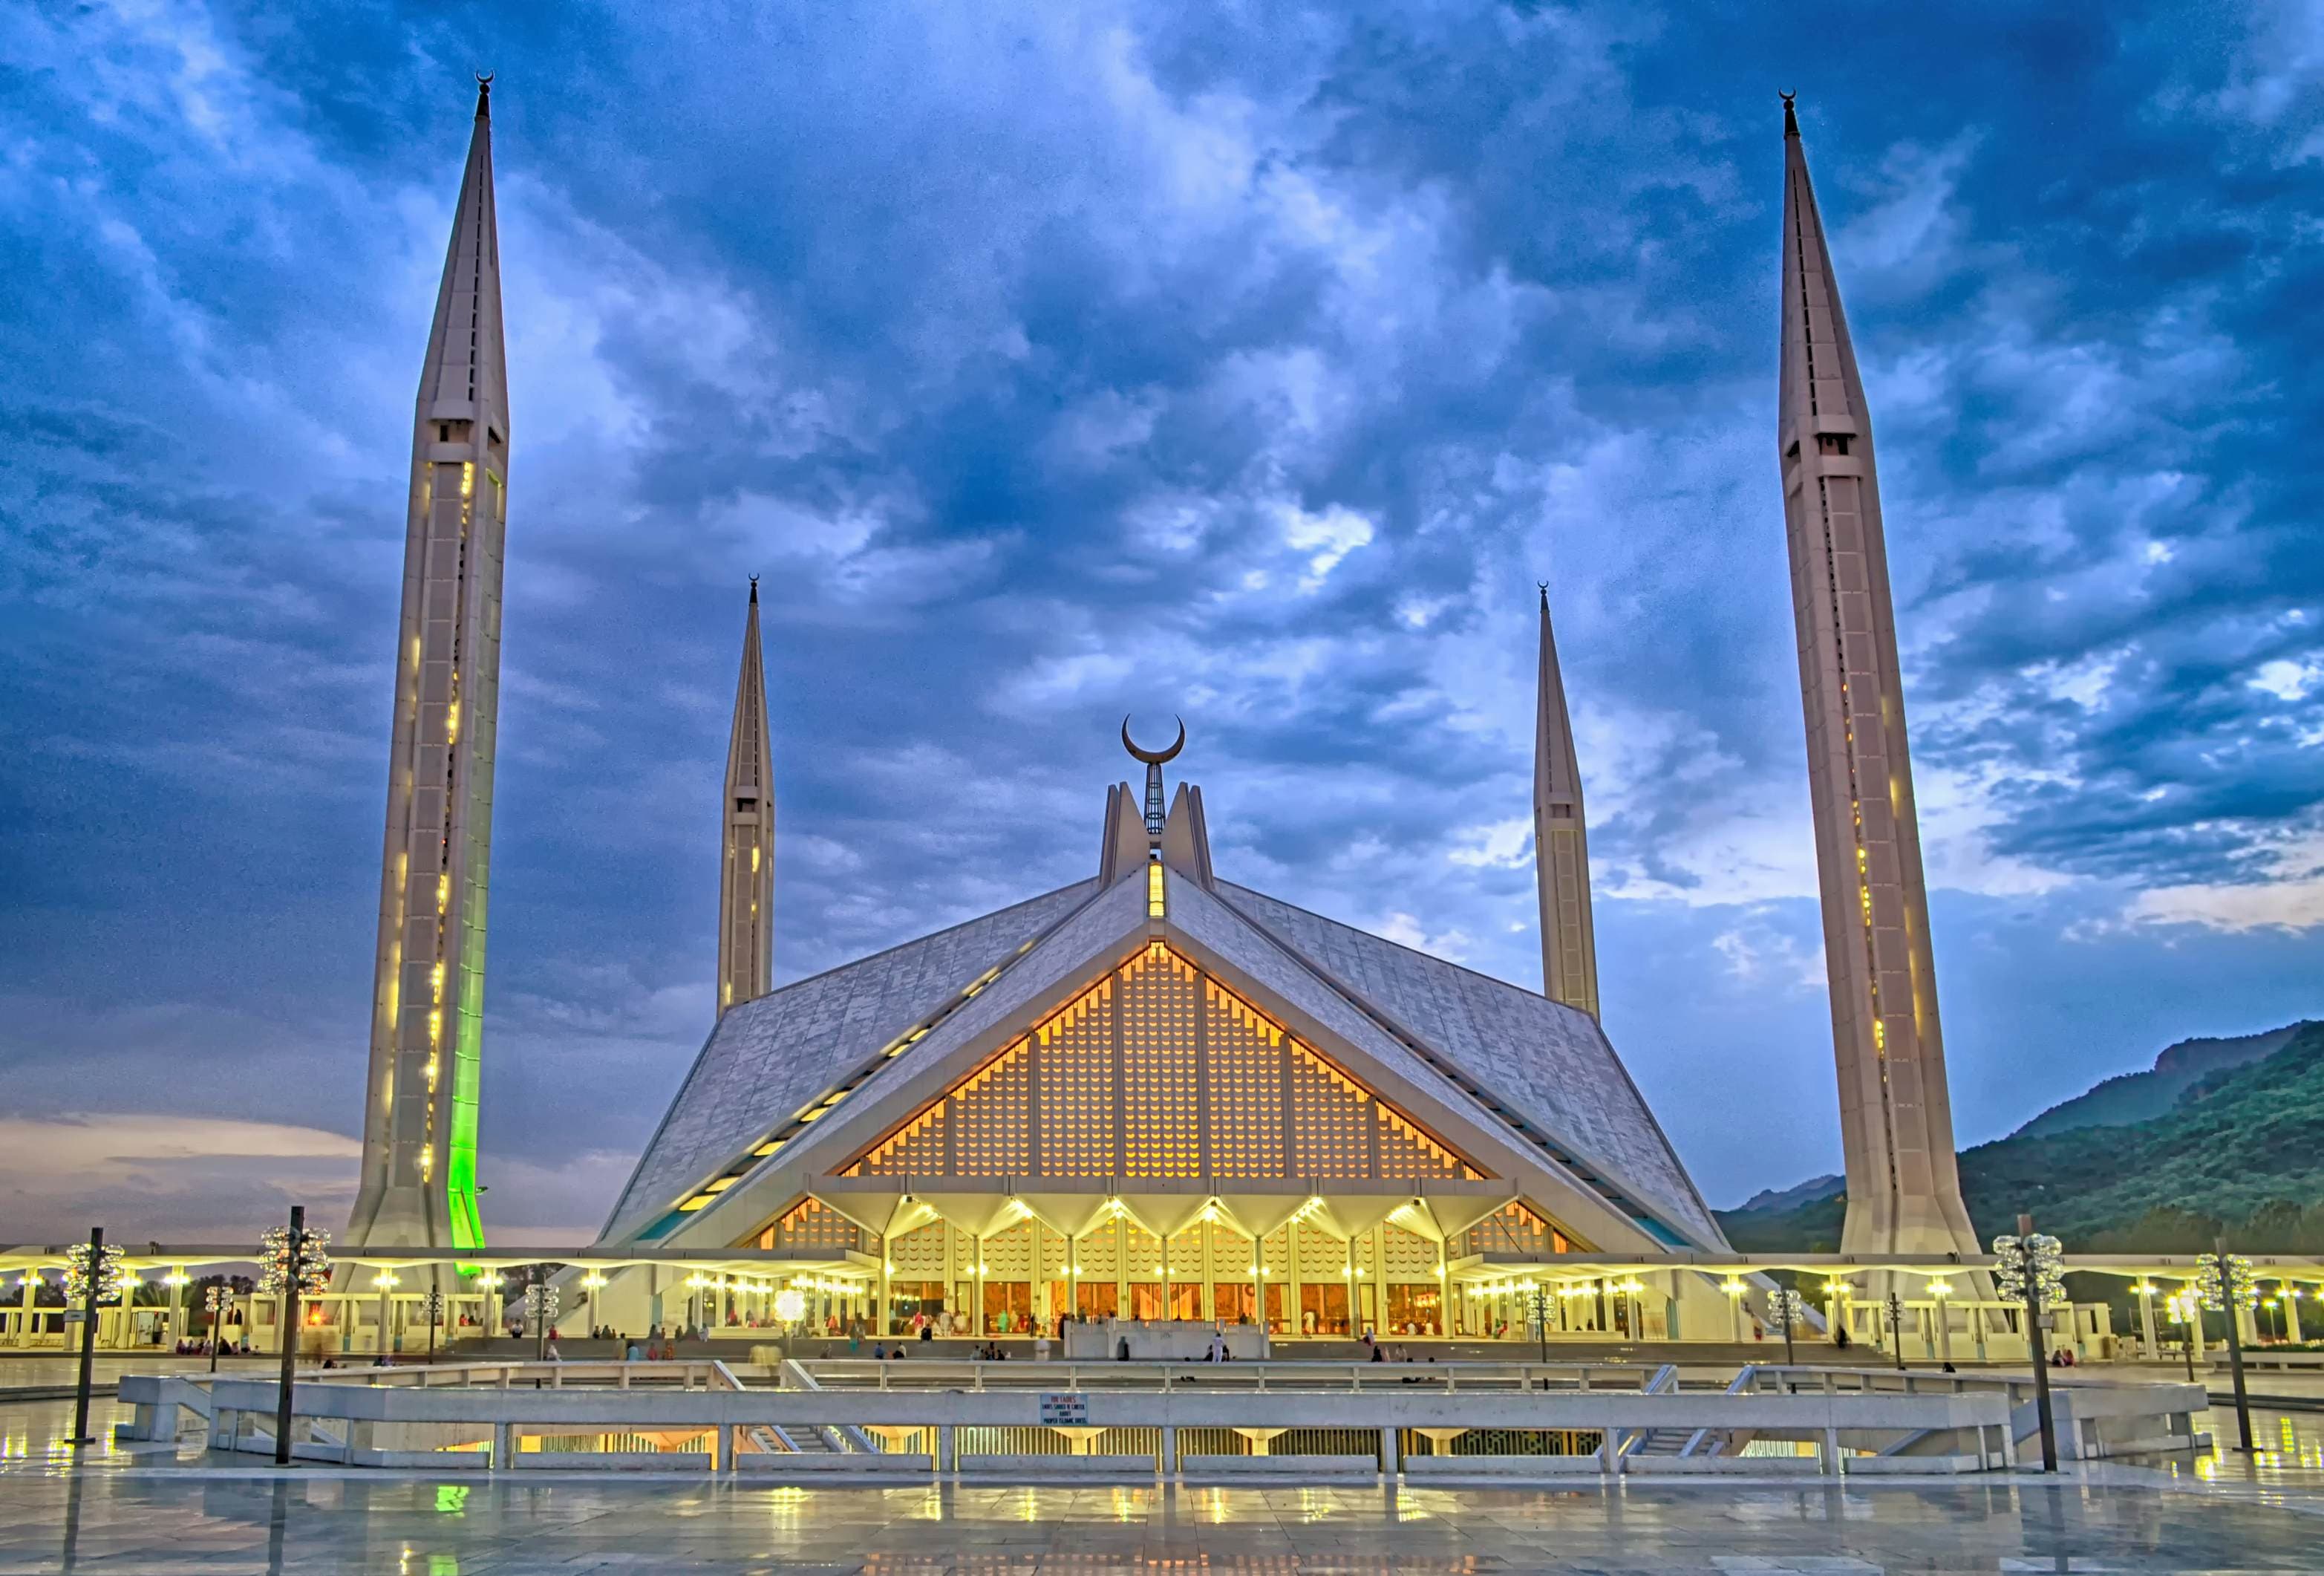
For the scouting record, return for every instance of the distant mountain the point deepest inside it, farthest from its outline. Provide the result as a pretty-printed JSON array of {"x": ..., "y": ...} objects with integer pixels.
[
  {"x": 2238, "y": 1147},
  {"x": 1770, "y": 1201},
  {"x": 2142, "y": 1097}
]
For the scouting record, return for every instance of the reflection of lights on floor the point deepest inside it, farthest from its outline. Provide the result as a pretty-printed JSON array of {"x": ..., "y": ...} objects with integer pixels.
[
  {"x": 786, "y": 1503},
  {"x": 2285, "y": 1443}
]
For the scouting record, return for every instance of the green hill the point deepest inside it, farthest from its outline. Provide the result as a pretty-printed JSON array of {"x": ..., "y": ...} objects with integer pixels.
[
  {"x": 2238, "y": 1148},
  {"x": 2142, "y": 1097}
]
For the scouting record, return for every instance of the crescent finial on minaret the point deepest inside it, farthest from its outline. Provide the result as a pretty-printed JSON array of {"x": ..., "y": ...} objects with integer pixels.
[
  {"x": 1790, "y": 121},
  {"x": 483, "y": 94},
  {"x": 1154, "y": 757}
]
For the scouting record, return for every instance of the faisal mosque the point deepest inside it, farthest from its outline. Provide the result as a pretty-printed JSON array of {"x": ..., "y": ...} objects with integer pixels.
[{"x": 1156, "y": 1093}]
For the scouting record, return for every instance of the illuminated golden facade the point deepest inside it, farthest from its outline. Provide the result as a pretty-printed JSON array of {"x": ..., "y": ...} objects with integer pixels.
[
  {"x": 1160, "y": 1095},
  {"x": 1157, "y": 1072}
]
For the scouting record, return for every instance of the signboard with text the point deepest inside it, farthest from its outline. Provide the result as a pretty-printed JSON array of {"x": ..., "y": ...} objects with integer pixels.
[{"x": 1068, "y": 1407}]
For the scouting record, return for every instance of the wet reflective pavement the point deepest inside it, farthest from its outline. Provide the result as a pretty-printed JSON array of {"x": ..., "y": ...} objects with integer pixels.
[{"x": 119, "y": 1511}]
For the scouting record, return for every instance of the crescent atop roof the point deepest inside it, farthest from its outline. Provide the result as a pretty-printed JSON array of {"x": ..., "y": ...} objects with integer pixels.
[{"x": 1155, "y": 757}]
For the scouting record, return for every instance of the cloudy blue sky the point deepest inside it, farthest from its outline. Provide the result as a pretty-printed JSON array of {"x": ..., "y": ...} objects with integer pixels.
[{"x": 1250, "y": 362}]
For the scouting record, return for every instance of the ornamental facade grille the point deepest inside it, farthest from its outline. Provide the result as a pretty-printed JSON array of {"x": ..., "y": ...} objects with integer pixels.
[{"x": 1158, "y": 1073}]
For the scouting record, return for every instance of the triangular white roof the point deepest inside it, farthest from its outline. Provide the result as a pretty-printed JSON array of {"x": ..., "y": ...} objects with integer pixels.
[
  {"x": 773, "y": 1058},
  {"x": 1534, "y": 1081}
]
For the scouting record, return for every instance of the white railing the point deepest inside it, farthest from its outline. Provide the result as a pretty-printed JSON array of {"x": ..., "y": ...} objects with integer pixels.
[
  {"x": 692, "y": 1374},
  {"x": 348, "y": 1422},
  {"x": 1272, "y": 1374}
]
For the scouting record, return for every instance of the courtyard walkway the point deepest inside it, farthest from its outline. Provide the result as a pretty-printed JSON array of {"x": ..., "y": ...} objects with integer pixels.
[{"x": 117, "y": 1511}]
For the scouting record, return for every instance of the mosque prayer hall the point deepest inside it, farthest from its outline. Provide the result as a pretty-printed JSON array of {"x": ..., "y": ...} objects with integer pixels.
[{"x": 1154, "y": 1094}]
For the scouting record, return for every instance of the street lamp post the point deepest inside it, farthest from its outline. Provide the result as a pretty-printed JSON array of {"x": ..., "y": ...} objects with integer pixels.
[
  {"x": 295, "y": 1261},
  {"x": 1788, "y": 1310},
  {"x": 215, "y": 1303},
  {"x": 432, "y": 1306},
  {"x": 2029, "y": 1268},
  {"x": 1896, "y": 1328},
  {"x": 540, "y": 1302},
  {"x": 2225, "y": 1281},
  {"x": 93, "y": 1275}
]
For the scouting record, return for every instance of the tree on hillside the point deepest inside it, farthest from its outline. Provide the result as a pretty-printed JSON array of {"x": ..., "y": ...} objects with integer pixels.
[{"x": 2273, "y": 1227}]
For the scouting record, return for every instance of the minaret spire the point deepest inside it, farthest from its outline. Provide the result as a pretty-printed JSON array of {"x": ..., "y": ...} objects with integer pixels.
[
  {"x": 1904, "y": 1185},
  {"x": 1561, "y": 841},
  {"x": 418, "y": 1183},
  {"x": 746, "y": 877}
]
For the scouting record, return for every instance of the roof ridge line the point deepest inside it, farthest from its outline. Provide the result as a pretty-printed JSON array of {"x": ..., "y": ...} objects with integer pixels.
[
  {"x": 679, "y": 1096},
  {"x": 954, "y": 1002},
  {"x": 1388, "y": 1022},
  {"x": 1399, "y": 946},
  {"x": 931, "y": 935}
]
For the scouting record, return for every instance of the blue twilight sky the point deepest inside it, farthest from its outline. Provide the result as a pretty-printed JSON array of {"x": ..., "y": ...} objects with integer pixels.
[{"x": 1051, "y": 362}]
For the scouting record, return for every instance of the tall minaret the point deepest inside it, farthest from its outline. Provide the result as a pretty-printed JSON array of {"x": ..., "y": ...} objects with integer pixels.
[
  {"x": 746, "y": 872},
  {"x": 419, "y": 1186},
  {"x": 1561, "y": 841},
  {"x": 1895, "y": 1118}
]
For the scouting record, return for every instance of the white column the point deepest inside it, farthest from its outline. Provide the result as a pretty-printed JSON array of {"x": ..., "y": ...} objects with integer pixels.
[
  {"x": 2149, "y": 1347},
  {"x": 1210, "y": 1277},
  {"x": 1291, "y": 1279},
  {"x": 2287, "y": 1296},
  {"x": 976, "y": 1286}
]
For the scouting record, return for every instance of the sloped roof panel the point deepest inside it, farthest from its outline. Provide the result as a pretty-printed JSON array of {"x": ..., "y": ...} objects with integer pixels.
[
  {"x": 1090, "y": 941},
  {"x": 768, "y": 1059},
  {"x": 1549, "y": 1062}
]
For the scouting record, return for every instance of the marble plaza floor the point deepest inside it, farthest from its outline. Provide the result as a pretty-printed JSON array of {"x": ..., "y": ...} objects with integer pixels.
[{"x": 117, "y": 1511}]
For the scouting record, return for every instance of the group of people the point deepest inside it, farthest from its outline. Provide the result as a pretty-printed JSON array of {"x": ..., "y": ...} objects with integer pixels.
[{"x": 201, "y": 1348}]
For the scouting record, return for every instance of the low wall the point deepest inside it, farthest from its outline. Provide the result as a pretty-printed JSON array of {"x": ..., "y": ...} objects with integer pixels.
[
  {"x": 371, "y": 1417},
  {"x": 429, "y": 1461},
  {"x": 1908, "y": 1466},
  {"x": 1058, "y": 1466},
  {"x": 612, "y": 1460},
  {"x": 856, "y": 1463},
  {"x": 1723, "y": 1466},
  {"x": 1515, "y": 1467},
  {"x": 1292, "y": 1467},
  {"x": 1177, "y": 1341}
]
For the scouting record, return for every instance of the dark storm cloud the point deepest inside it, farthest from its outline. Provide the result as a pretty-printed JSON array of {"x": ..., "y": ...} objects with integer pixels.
[{"x": 1245, "y": 363}]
